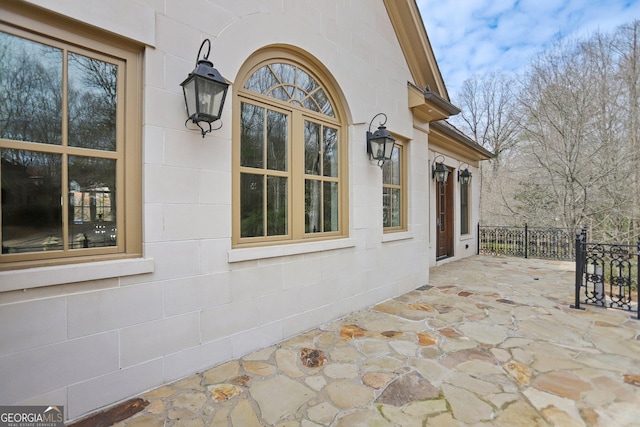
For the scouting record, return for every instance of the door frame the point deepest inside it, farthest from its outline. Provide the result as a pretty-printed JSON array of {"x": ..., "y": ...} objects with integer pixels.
[{"x": 444, "y": 223}]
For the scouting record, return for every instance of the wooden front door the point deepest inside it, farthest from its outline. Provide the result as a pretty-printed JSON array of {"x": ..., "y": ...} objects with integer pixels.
[{"x": 444, "y": 218}]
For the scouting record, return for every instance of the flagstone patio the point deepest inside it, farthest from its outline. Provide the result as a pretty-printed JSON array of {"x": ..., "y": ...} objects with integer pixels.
[{"x": 489, "y": 342}]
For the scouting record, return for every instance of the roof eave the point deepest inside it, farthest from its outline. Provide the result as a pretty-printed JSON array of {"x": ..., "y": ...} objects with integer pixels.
[
  {"x": 428, "y": 105},
  {"x": 456, "y": 135}
]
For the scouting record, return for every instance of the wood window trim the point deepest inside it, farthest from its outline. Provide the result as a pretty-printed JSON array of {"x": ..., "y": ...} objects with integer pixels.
[
  {"x": 296, "y": 233},
  {"x": 403, "y": 227},
  {"x": 33, "y": 23}
]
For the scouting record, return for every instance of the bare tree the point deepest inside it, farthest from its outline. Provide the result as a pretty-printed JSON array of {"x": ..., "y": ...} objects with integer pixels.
[
  {"x": 489, "y": 105},
  {"x": 627, "y": 44},
  {"x": 572, "y": 132},
  {"x": 566, "y": 137},
  {"x": 489, "y": 115}
]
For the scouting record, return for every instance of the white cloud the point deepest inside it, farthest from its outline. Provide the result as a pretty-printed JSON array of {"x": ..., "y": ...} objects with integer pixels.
[{"x": 479, "y": 36}]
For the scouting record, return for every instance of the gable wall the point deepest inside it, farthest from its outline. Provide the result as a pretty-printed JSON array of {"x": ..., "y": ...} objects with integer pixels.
[{"x": 89, "y": 343}]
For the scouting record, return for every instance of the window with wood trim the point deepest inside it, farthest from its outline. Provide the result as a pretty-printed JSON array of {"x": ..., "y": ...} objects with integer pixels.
[
  {"x": 394, "y": 191},
  {"x": 289, "y": 155},
  {"x": 69, "y": 140},
  {"x": 464, "y": 208}
]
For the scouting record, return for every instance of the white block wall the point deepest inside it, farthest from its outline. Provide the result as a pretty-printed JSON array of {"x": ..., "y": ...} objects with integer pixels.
[{"x": 89, "y": 344}]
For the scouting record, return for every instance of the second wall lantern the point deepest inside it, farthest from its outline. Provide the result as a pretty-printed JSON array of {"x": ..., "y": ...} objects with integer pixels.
[
  {"x": 464, "y": 177},
  {"x": 380, "y": 143},
  {"x": 204, "y": 92},
  {"x": 439, "y": 171}
]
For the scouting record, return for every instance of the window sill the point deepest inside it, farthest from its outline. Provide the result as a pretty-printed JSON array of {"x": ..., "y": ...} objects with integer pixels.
[
  {"x": 73, "y": 273},
  {"x": 401, "y": 235},
  {"x": 250, "y": 254}
]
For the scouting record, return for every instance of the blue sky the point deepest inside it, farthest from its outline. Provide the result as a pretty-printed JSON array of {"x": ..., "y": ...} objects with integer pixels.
[{"x": 478, "y": 36}]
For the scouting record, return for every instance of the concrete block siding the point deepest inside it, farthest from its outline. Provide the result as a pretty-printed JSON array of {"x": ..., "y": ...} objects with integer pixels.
[{"x": 89, "y": 343}]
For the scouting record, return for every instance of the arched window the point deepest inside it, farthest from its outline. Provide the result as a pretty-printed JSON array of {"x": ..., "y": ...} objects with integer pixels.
[{"x": 289, "y": 155}]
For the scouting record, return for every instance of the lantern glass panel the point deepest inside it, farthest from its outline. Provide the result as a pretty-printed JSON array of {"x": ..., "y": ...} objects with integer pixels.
[
  {"x": 210, "y": 98},
  {"x": 377, "y": 148},
  {"x": 190, "y": 96},
  {"x": 388, "y": 147}
]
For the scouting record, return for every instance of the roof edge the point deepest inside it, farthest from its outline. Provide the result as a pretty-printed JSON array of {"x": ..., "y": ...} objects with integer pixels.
[
  {"x": 451, "y": 131},
  {"x": 413, "y": 39}
]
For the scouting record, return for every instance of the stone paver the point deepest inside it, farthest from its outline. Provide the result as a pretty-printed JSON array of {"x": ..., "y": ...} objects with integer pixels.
[{"x": 489, "y": 342}]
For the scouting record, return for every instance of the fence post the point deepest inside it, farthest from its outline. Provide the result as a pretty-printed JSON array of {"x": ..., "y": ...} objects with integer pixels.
[
  {"x": 579, "y": 268},
  {"x": 526, "y": 240},
  {"x": 478, "y": 240},
  {"x": 638, "y": 280}
]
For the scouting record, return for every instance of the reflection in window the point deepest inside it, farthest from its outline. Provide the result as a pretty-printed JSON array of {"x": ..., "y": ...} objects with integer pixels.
[
  {"x": 321, "y": 185},
  {"x": 291, "y": 84},
  {"x": 31, "y": 192},
  {"x": 287, "y": 160},
  {"x": 464, "y": 209},
  {"x": 392, "y": 190},
  {"x": 53, "y": 200},
  {"x": 93, "y": 203},
  {"x": 264, "y": 140},
  {"x": 30, "y": 90},
  {"x": 92, "y": 103}
]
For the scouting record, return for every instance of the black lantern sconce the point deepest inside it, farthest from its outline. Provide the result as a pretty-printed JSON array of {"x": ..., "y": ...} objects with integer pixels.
[
  {"x": 464, "y": 177},
  {"x": 204, "y": 92},
  {"x": 380, "y": 143},
  {"x": 439, "y": 171}
]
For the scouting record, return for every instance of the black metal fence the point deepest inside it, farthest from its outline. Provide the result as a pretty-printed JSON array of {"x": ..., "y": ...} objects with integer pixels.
[
  {"x": 527, "y": 242},
  {"x": 607, "y": 275}
]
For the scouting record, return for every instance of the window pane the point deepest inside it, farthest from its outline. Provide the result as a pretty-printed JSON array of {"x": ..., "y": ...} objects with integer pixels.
[
  {"x": 386, "y": 207},
  {"x": 391, "y": 169},
  {"x": 386, "y": 173},
  {"x": 31, "y": 196},
  {"x": 277, "y": 131},
  {"x": 306, "y": 82},
  {"x": 261, "y": 81},
  {"x": 30, "y": 91},
  {"x": 391, "y": 205},
  {"x": 310, "y": 104},
  {"x": 280, "y": 93},
  {"x": 464, "y": 209},
  {"x": 396, "y": 200},
  {"x": 395, "y": 162},
  {"x": 330, "y": 206},
  {"x": 330, "y": 152},
  {"x": 291, "y": 84},
  {"x": 251, "y": 136},
  {"x": 276, "y": 206},
  {"x": 323, "y": 102},
  {"x": 286, "y": 73},
  {"x": 312, "y": 148},
  {"x": 92, "y": 103},
  {"x": 251, "y": 205},
  {"x": 312, "y": 206},
  {"x": 92, "y": 211}
]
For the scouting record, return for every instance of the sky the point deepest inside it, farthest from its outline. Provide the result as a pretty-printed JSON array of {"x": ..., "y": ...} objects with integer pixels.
[{"x": 479, "y": 36}]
